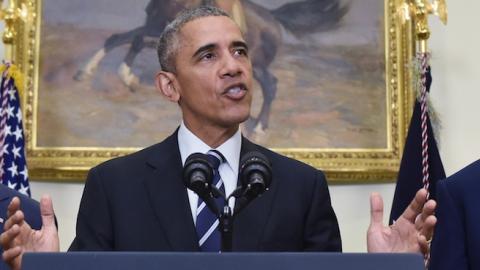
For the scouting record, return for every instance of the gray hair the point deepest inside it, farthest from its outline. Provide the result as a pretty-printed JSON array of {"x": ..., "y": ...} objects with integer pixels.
[{"x": 169, "y": 42}]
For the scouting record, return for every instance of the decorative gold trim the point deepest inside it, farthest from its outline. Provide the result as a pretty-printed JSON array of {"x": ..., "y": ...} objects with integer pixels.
[{"x": 340, "y": 165}]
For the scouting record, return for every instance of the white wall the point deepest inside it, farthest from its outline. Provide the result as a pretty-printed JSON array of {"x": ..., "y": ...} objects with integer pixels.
[{"x": 456, "y": 73}]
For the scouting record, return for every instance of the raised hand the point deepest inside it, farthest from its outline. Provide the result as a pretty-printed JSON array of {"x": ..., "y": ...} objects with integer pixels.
[
  {"x": 410, "y": 231},
  {"x": 18, "y": 237}
]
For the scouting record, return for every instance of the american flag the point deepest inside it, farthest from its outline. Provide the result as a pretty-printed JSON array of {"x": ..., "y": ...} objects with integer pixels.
[{"x": 13, "y": 166}]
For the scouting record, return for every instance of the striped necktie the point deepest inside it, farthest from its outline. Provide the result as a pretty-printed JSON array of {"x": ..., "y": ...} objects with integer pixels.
[{"x": 207, "y": 222}]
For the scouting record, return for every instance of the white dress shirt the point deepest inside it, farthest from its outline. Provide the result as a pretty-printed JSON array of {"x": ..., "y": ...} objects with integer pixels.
[{"x": 189, "y": 143}]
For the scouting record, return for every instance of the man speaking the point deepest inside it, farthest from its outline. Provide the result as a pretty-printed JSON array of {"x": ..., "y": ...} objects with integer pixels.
[{"x": 140, "y": 203}]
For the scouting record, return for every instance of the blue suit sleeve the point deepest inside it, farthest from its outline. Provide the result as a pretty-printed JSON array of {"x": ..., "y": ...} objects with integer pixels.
[{"x": 449, "y": 241}]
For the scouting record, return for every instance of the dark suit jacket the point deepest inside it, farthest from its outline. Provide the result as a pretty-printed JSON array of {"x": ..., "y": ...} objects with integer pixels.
[
  {"x": 30, "y": 208},
  {"x": 456, "y": 242},
  {"x": 139, "y": 203}
]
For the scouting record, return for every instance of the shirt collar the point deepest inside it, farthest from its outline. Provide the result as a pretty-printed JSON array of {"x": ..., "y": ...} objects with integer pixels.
[{"x": 189, "y": 143}]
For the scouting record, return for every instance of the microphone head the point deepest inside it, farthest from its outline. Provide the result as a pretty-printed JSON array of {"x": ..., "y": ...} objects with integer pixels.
[
  {"x": 198, "y": 173},
  {"x": 198, "y": 176},
  {"x": 255, "y": 174}
]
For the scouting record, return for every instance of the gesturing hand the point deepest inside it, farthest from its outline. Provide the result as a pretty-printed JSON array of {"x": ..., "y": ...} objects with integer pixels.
[
  {"x": 18, "y": 237},
  {"x": 410, "y": 231}
]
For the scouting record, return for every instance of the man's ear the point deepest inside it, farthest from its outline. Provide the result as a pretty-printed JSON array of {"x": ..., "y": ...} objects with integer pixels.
[{"x": 167, "y": 86}]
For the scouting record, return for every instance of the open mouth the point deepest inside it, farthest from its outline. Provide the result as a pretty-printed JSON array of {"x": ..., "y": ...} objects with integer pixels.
[{"x": 236, "y": 91}]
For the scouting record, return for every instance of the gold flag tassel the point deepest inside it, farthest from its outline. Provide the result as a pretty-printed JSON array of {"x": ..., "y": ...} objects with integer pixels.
[{"x": 12, "y": 71}]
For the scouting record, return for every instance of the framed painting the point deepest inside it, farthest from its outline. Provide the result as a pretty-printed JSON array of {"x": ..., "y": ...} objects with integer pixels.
[{"x": 332, "y": 88}]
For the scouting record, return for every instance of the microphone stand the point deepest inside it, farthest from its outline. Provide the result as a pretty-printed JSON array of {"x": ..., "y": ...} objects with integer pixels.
[
  {"x": 226, "y": 218},
  {"x": 225, "y": 215},
  {"x": 226, "y": 229}
]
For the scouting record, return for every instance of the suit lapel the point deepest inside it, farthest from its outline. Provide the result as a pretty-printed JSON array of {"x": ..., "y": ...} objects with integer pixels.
[
  {"x": 168, "y": 196},
  {"x": 250, "y": 222}
]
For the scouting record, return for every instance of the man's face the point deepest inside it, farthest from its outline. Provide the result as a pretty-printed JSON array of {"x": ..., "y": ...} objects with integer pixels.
[{"x": 213, "y": 73}]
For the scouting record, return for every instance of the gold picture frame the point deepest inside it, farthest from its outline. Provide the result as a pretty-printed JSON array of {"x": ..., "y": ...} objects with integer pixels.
[{"x": 340, "y": 164}]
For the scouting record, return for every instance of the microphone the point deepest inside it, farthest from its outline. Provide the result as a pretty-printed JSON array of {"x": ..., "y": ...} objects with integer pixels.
[
  {"x": 198, "y": 177},
  {"x": 197, "y": 173},
  {"x": 255, "y": 174}
]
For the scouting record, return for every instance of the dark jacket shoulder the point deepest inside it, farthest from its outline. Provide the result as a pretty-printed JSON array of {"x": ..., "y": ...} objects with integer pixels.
[
  {"x": 465, "y": 179},
  {"x": 30, "y": 207},
  {"x": 135, "y": 163}
]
